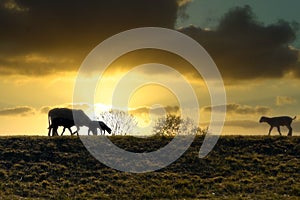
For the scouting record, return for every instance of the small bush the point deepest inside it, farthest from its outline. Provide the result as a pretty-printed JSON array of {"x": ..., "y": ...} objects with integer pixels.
[{"x": 172, "y": 125}]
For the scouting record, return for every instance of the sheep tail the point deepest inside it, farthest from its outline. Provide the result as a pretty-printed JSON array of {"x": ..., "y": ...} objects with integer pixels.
[{"x": 294, "y": 117}]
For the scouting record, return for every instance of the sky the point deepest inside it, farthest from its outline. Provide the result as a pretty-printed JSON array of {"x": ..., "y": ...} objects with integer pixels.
[{"x": 255, "y": 45}]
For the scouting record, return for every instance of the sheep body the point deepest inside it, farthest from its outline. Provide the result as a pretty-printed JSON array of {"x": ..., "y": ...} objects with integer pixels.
[
  {"x": 277, "y": 122},
  {"x": 66, "y": 123},
  {"x": 67, "y": 117}
]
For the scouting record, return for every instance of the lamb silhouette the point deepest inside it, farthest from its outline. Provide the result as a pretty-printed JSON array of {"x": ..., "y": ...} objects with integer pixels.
[
  {"x": 277, "y": 122},
  {"x": 98, "y": 124}
]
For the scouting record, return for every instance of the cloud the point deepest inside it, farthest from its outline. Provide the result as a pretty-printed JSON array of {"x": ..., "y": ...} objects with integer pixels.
[
  {"x": 238, "y": 109},
  {"x": 22, "y": 110},
  {"x": 83, "y": 106},
  {"x": 183, "y": 2},
  {"x": 242, "y": 123},
  {"x": 12, "y": 6},
  {"x": 45, "y": 109},
  {"x": 182, "y": 7},
  {"x": 156, "y": 111},
  {"x": 46, "y": 36},
  {"x": 237, "y": 123},
  {"x": 143, "y": 56},
  {"x": 34, "y": 64},
  {"x": 63, "y": 32},
  {"x": 244, "y": 48},
  {"x": 282, "y": 100}
]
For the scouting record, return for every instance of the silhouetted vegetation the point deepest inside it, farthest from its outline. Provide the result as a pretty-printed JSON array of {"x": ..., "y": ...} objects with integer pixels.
[
  {"x": 239, "y": 167},
  {"x": 120, "y": 122},
  {"x": 172, "y": 125}
]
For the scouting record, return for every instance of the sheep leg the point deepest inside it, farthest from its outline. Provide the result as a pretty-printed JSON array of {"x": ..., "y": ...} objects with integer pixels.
[
  {"x": 49, "y": 132},
  {"x": 70, "y": 130},
  {"x": 95, "y": 131},
  {"x": 63, "y": 131},
  {"x": 290, "y": 130},
  {"x": 54, "y": 131},
  {"x": 92, "y": 130},
  {"x": 278, "y": 128},
  {"x": 270, "y": 130},
  {"x": 77, "y": 130}
]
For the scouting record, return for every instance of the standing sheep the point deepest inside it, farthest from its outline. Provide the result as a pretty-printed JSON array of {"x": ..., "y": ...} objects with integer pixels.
[{"x": 277, "y": 122}]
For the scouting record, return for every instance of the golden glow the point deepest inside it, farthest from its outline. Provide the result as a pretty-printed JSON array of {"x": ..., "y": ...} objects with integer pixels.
[
  {"x": 152, "y": 94},
  {"x": 149, "y": 102}
]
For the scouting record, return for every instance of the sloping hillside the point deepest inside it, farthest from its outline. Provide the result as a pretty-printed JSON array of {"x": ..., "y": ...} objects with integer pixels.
[{"x": 237, "y": 168}]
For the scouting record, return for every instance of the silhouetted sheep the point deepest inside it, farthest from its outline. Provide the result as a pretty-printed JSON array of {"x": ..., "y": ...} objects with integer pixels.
[
  {"x": 277, "y": 122},
  {"x": 66, "y": 123},
  {"x": 98, "y": 124},
  {"x": 67, "y": 116}
]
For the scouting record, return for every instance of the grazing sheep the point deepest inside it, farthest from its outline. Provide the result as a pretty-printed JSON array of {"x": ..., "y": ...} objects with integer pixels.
[
  {"x": 98, "y": 124},
  {"x": 277, "y": 122},
  {"x": 104, "y": 127},
  {"x": 67, "y": 114},
  {"x": 66, "y": 123}
]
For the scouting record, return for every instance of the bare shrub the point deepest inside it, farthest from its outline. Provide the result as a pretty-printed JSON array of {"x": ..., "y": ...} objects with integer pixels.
[{"x": 120, "y": 122}]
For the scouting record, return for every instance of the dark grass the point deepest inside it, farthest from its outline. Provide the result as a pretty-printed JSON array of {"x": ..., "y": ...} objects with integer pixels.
[{"x": 250, "y": 167}]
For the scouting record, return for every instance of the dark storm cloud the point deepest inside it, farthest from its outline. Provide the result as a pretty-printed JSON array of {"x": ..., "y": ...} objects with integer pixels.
[
  {"x": 71, "y": 28},
  {"x": 22, "y": 110},
  {"x": 234, "y": 108},
  {"x": 40, "y": 37},
  {"x": 34, "y": 64},
  {"x": 143, "y": 56},
  {"x": 244, "y": 48}
]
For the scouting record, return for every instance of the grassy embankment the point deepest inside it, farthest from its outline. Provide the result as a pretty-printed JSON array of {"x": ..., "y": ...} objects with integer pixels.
[{"x": 237, "y": 168}]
